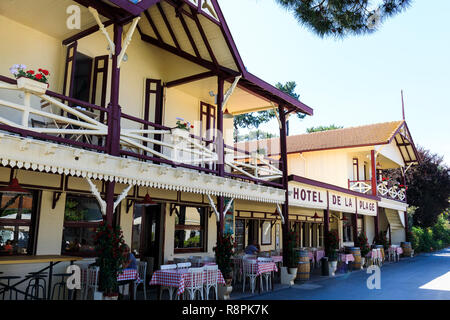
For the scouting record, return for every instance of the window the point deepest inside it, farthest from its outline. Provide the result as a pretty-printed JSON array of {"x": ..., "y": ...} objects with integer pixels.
[
  {"x": 189, "y": 228},
  {"x": 82, "y": 216},
  {"x": 355, "y": 169},
  {"x": 17, "y": 222},
  {"x": 360, "y": 224},
  {"x": 266, "y": 232},
  {"x": 347, "y": 232}
]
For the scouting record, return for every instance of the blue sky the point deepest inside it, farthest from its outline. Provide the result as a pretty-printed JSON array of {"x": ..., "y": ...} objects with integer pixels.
[{"x": 357, "y": 80}]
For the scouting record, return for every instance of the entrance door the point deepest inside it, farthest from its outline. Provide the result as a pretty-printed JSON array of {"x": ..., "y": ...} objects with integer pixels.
[{"x": 147, "y": 232}]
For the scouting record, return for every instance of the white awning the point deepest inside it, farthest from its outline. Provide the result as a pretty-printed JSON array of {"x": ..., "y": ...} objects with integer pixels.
[{"x": 36, "y": 155}]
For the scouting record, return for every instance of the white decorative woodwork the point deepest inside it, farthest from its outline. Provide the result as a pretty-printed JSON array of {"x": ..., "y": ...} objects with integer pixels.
[{"x": 63, "y": 161}]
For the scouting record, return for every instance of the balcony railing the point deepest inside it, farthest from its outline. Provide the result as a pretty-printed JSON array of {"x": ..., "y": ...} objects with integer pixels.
[
  {"x": 383, "y": 189},
  {"x": 60, "y": 119}
]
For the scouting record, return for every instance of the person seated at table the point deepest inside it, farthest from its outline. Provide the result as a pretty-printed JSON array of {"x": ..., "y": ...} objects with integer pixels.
[
  {"x": 8, "y": 248},
  {"x": 130, "y": 259},
  {"x": 252, "y": 248}
]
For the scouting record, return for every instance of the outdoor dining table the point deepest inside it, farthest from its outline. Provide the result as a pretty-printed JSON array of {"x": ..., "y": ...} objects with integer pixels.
[
  {"x": 177, "y": 278},
  {"x": 344, "y": 257},
  {"x": 129, "y": 276},
  {"x": 51, "y": 259}
]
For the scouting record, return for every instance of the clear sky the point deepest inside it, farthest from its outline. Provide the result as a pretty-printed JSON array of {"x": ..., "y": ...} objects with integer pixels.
[{"x": 357, "y": 80}]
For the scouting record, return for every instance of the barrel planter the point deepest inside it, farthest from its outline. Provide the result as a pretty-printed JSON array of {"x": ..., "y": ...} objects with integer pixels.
[
  {"x": 356, "y": 252},
  {"x": 407, "y": 249},
  {"x": 303, "y": 265}
]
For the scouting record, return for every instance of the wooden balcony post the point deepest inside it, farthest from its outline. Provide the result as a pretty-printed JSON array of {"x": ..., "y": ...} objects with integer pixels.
[
  {"x": 220, "y": 153},
  {"x": 283, "y": 153},
  {"x": 374, "y": 185},
  {"x": 374, "y": 172},
  {"x": 113, "y": 138}
]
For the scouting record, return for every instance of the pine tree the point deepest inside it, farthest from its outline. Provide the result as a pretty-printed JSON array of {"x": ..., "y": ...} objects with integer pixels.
[{"x": 341, "y": 18}]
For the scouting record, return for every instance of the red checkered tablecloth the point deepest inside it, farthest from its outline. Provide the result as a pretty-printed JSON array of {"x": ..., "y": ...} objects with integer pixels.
[
  {"x": 178, "y": 278},
  {"x": 263, "y": 267},
  {"x": 346, "y": 258},
  {"x": 319, "y": 254},
  {"x": 129, "y": 274},
  {"x": 277, "y": 258}
]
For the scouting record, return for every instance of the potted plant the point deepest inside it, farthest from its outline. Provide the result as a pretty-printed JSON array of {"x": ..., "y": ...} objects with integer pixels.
[
  {"x": 182, "y": 128},
  {"x": 332, "y": 245},
  {"x": 363, "y": 244},
  {"x": 109, "y": 245},
  {"x": 35, "y": 82},
  {"x": 224, "y": 251},
  {"x": 289, "y": 270}
]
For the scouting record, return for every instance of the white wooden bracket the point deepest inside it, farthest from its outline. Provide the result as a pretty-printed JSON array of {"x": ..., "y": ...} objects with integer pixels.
[
  {"x": 97, "y": 195},
  {"x": 122, "y": 196},
  {"x": 230, "y": 91},
  {"x": 211, "y": 202},
  {"x": 102, "y": 202},
  {"x": 127, "y": 40},
  {"x": 112, "y": 47},
  {"x": 276, "y": 114},
  {"x": 280, "y": 213}
]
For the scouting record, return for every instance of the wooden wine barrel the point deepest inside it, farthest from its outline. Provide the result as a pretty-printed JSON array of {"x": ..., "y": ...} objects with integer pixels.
[
  {"x": 303, "y": 265},
  {"x": 356, "y": 252},
  {"x": 407, "y": 249}
]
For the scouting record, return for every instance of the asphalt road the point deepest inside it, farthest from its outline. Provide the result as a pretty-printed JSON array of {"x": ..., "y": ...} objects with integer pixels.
[{"x": 424, "y": 277}]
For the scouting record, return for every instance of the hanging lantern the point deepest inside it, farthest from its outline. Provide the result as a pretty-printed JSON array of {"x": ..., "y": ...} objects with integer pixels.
[
  {"x": 227, "y": 115},
  {"x": 316, "y": 216},
  {"x": 15, "y": 187}
]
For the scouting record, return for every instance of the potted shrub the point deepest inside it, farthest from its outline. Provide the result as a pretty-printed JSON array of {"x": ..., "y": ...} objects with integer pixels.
[
  {"x": 289, "y": 270},
  {"x": 35, "y": 82},
  {"x": 224, "y": 252},
  {"x": 332, "y": 245},
  {"x": 109, "y": 245},
  {"x": 363, "y": 244}
]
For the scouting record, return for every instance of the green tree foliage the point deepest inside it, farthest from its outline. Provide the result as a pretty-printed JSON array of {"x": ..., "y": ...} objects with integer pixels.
[
  {"x": 428, "y": 187},
  {"x": 341, "y": 18},
  {"x": 331, "y": 244},
  {"x": 323, "y": 128},
  {"x": 255, "y": 135},
  {"x": 432, "y": 238}
]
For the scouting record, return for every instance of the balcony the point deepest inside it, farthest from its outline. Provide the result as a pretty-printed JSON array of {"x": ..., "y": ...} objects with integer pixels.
[
  {"x": 55, "y": 118},
  {"x": 384, "y": 189}
]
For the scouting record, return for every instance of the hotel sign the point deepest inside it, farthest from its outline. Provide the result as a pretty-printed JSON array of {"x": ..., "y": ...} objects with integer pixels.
[
  {"x": 301, "y": 195},
  {"x": 307, "y": 196},
  {"x": 342, "y": 202}
]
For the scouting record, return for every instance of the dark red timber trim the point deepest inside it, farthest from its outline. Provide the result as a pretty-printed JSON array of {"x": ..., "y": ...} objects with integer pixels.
[
  {"x": 188, "y": 33},
  {"x": 70, "y": 58},
  {"x": 153, "y": 25},
  {"x": 374, "y": 172},
  {"x": 169, "y": 27},
  {"x": 188, "y": 79},
  {"x": 204, "y": 38}
]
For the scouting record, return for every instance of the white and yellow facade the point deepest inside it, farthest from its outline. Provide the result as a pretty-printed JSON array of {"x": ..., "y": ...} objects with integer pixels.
[{"x": 103, "y": 132}]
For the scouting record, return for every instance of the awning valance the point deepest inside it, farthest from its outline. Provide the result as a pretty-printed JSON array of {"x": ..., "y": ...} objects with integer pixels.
[{"x": 36, "y": 155}]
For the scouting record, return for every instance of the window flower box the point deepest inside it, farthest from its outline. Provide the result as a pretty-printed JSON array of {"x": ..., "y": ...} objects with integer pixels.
[{"x": 32, "y": 86}]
